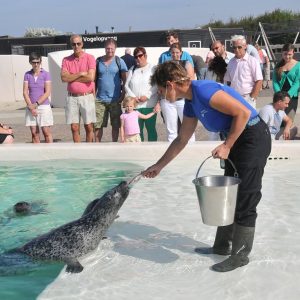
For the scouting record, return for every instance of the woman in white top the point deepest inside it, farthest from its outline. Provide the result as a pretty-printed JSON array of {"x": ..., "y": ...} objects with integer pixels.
[
  {"x": 138, "y": 87},
  {"x": 173, "y": 112}
]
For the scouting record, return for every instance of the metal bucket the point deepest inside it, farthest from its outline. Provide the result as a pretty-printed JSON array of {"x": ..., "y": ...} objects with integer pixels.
[{"x": 217, "y": 197}]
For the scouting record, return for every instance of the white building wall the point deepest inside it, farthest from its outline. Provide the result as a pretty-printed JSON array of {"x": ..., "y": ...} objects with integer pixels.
[{"x": 12, "y": 70}]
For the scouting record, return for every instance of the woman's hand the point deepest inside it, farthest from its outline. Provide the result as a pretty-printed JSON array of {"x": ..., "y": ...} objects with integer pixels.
[
  {"x": 5, "y": 129},
  {"x": 152, "y": 171},
  {"x": 143, "y": 99},
  {"x": 10, "y": 131},
  {"x": 222, "y": 151},
  {"x": 33, "y": 109},
  {"x": 157, "y": 107}
]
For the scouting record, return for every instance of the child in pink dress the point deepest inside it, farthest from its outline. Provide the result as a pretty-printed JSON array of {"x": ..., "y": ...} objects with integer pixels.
[{"x": 130, "y": 129}]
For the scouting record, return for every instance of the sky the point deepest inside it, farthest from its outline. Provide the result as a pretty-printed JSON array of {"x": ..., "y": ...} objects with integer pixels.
[{"x": 75, "y": 16}]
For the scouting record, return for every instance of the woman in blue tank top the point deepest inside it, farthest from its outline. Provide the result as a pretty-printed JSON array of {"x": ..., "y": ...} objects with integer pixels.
[{"x": 247, "y": 144}]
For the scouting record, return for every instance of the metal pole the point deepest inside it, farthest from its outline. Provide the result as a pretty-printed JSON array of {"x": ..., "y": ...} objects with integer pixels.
[
  {"x": 295, "y": 40},
  {"x": 256, "y": 42},
  {"x": 212, "y": 36},
  {"x": 268, "y": 47}
]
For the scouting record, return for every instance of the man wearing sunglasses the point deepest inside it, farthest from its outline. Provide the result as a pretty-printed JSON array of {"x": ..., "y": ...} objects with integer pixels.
[
  {"x": 243, "y": 71},
  {"x": 78, "y": 70}
]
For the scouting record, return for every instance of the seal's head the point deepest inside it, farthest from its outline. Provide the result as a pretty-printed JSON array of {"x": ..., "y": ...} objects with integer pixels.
[
  {"x": 119, "y": 193},
  {"x": 22, "y": 208},
  {"x": 123, "y": 189}
]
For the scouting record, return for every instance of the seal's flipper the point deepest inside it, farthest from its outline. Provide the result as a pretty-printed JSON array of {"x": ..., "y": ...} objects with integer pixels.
[
  {"x": 73, "y": 266},
  {"x": 90, "y": 207}
]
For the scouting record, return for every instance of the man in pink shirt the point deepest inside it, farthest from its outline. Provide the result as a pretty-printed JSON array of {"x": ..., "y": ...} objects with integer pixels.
[
  {"x": 78, "y": 70},
  {"x": 243, "y": 71}
]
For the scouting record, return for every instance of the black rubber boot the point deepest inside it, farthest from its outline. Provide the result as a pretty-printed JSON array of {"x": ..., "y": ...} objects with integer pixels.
[
  {"x": 222, "y": 244},
  {"x": 241, "y": 247}
]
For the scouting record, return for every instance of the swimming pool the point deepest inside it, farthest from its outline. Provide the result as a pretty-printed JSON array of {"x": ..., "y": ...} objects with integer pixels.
[{"x": 149, "y": 253}]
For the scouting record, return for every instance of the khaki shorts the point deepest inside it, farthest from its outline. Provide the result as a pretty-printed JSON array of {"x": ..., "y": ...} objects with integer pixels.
[
  {"x": 81, "y": 106},
  {"x": 105, "y": 110},
  {"x": 44, "y": 117},
  {"x": 135, "y": 138}
]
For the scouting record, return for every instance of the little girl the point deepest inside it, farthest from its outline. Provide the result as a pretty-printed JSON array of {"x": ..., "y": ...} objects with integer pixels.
[{"x": 130, "y": 130}]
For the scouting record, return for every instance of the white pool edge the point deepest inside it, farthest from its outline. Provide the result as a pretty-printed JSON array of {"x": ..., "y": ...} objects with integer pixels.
[{"x": 124, "y": 152}]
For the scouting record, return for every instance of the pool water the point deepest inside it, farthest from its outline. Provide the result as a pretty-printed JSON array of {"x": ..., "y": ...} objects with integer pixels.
[
  {"x": 60, "y": 190},
  {"x": 149, "y": 253}
]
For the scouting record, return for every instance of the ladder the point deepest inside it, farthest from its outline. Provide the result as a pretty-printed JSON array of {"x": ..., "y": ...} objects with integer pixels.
[
  {"x": 212, "y": 36},
  {"x": 268, "y": 47}
]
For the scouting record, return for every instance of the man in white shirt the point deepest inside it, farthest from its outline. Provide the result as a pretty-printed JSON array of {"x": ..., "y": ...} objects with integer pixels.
[
  {"x": 243, "y": 71},
  {"x": 273, "y": 114}
]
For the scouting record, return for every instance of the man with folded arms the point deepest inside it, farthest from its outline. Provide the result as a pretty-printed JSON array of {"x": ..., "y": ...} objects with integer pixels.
[{"x": 78, "y": 70}]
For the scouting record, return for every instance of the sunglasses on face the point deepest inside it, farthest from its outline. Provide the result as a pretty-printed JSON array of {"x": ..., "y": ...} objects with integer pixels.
[
  {"x": 138, "y": 56},
  {"x": 35, "y": 62},
  {"x": 76, "y": 44},
  {"x": 237, "y": 47}
]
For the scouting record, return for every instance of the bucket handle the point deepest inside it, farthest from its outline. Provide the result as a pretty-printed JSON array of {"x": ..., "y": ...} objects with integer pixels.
[{"x": 236, "y": 174}]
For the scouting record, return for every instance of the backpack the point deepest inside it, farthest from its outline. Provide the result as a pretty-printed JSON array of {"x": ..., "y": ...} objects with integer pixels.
[
  {"x": 118, "y": 62},
  {"x": 133, "y": 69}
]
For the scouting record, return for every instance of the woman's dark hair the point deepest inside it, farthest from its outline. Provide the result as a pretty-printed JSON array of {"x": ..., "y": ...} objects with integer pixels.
[
  {"x": 176, "y": 46},
  {"x": 139, "y": 49},
  {"x": 279, "y": 66},
  {"x": 35, "y": 55},
  {"x": 218, "y": 66},
  {"x": 169, "y": 71}
]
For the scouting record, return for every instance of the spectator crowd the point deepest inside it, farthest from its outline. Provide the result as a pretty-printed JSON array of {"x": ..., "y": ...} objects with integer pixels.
[{"x": 107, "y": 89}]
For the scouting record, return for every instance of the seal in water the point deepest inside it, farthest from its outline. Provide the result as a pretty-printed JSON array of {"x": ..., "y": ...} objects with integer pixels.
[
  {"x": 70, "y": 241},
  {"x": 22, "y": 208}
]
